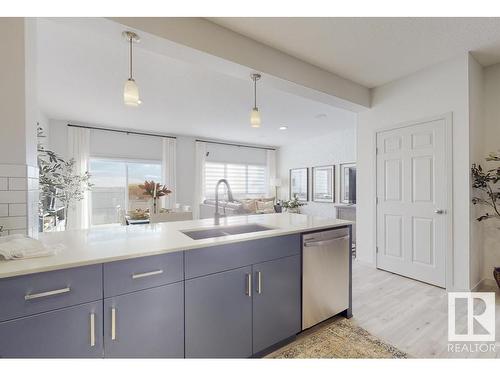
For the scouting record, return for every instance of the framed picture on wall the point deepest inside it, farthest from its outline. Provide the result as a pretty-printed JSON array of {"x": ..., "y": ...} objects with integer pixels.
[
  {"x": 299, "y": 184},
  {"x": 323, "y": 184},
  {"x": 348, "y": 183}
]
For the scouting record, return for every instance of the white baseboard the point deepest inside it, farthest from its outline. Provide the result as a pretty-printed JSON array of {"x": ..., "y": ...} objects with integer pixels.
[{"x": 485, "y": 285}]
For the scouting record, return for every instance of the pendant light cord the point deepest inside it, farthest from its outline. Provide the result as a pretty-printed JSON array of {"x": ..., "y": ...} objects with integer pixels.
[
  {"x": 255, "y": 92},
  {"x": 130, "y": 59}
]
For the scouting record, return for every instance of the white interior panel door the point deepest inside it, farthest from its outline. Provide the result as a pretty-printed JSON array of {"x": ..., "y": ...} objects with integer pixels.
[{"x": 411, "y": 201}]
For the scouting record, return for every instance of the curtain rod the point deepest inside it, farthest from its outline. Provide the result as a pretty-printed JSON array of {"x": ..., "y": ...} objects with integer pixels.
[
  {"x": 234, "y": 144},
  {"x": 121, "y": 131}
]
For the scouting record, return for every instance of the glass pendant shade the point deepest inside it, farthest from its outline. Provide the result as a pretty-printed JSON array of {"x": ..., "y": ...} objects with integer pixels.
[
  {"x": 255, "y": 118},
  {"x": 131, "y": 93}
]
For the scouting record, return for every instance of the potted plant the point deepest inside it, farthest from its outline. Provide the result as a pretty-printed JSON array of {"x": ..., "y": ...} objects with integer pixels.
[
  {"x": 293, "y": 205},
  {"x": 155, "y": 190},
  {"x": 484, "y": 181},
  {"x": 58, "y": 180}
]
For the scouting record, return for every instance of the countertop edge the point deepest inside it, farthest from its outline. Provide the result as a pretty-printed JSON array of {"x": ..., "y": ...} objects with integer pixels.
[{"x": 227, "y": 240}]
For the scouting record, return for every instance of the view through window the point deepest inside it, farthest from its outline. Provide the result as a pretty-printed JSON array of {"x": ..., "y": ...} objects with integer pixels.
[{"x": 116, "y": 187}]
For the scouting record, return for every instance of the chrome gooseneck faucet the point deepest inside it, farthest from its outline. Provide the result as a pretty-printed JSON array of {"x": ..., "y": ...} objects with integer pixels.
[{"x": 217, "y": 215}]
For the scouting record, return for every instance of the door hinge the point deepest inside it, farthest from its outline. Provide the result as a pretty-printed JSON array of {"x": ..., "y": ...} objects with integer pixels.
[
  {"x": 376, "y": 150},
  {"x": 376, "y": 200},
  {"x": 376, "y": 249}
]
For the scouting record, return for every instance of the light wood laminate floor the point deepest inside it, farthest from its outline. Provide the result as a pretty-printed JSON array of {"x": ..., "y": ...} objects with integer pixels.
[{"x": 408, "y": 314}]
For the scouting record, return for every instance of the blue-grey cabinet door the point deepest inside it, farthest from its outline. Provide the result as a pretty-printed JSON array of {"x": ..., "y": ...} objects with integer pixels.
[
  {"x": 148, "y": 323},
  {"x": 219, "y": 315},
  {"x": 71, "y": 332},
  {"x": 276, "y": 301}
]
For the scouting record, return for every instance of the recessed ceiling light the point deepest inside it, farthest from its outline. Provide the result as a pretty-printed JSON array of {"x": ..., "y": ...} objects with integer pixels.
[{"x": 283, "y": 127}]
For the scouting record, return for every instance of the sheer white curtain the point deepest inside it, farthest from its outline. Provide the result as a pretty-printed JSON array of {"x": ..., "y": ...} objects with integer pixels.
[
  {"x": 199, "y": 186},
  {"x": 79, "y": 149},
  {"x": 271, "y": 171},
  {"x": 168, "y": 170}
]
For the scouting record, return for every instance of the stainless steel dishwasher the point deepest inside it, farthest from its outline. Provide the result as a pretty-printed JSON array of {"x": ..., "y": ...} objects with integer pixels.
[{"x": 325, "y": 275}]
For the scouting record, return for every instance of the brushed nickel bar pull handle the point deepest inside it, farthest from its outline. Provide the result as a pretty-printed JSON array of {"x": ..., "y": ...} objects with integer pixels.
[
  {"x": 92, "y": 329},
  {"x": 113, "y": 324},
  {"x": 259, "y": 282},
  {"x": 28, "y": 297},
  {"x": 146, "y": 274},
  {"x": 249, "y": 285}
]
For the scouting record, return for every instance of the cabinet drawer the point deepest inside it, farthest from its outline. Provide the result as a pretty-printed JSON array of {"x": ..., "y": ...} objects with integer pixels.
[
  {"x": 141, "y": 273},
  {"x": 72, "y": 332},
  {"x": 221, "y": 258},
  {"x": 39, "y": 292}
]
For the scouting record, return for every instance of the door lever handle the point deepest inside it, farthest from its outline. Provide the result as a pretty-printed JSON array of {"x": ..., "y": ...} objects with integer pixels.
[{"x": 439, "y": 211}]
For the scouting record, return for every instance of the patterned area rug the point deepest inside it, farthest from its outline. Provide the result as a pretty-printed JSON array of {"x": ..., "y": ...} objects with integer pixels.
[{"x": 337, "y": 338}]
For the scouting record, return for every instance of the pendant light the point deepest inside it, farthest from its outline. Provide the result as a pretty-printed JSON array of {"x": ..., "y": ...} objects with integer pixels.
[
  {"x": 131, "y": 90},
  {"x": 255, "y": 114}
]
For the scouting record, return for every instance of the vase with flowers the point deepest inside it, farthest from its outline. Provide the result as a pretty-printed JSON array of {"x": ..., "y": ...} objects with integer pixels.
[
  {"x": 293, "y": 205},
  {"x": 156, "y": 191}
]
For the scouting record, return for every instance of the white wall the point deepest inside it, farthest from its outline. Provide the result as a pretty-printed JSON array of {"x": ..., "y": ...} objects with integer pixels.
[
  {"x": 476, "y": 147},
  {"x": 437, "y": 90},
  {"x": 338, "y": 147},
  {"x": 491, "y": 142}
]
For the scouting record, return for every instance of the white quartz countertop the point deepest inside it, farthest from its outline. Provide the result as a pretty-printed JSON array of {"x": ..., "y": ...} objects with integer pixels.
[{"x": 101, "y": 245}]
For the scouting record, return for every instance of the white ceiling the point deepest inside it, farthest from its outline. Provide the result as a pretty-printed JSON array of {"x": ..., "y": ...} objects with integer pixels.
[
  {"x": 83, "y": 65},
  {"x": 374, "y": 51}
]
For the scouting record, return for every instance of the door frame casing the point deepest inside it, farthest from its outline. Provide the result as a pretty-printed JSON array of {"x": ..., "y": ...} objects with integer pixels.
[{"x": 448, "y": 152}]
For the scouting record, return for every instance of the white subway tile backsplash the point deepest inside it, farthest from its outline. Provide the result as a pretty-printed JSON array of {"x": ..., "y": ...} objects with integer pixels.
[
  {"x": 17, "y": 209},
  {"x": 13, "y": 196},
  {"x": 4, "y": 183},
  {"x": 18, "y": 183},
  {"x": 4, "y": 210},
  {"x": 15, "y": 222},
  {"x": 13, "y": 170}
]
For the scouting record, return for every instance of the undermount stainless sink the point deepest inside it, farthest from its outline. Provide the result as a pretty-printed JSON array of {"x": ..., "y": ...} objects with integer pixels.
[{"x": 199, "y": 234}]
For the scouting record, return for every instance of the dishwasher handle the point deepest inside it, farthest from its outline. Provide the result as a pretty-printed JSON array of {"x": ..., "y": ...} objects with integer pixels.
[{"x": 325, "y": 242}]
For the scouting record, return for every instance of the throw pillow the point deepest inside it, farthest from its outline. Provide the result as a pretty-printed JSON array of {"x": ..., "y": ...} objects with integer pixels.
[
  {"x": 249, "y": 205},
  {"x": 265, "y": 207}
]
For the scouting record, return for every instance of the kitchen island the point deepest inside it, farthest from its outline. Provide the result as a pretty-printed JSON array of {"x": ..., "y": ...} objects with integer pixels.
[{"x": 153, "y": 291}]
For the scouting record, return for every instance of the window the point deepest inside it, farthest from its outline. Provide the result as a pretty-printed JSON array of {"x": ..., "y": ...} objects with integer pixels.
[
  {"x": 116, "y": 186},
  {"x": 245, "y": 180}
]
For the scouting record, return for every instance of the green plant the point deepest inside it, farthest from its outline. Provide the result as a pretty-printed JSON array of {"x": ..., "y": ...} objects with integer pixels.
[
  {"x": 484, "y": 181},
  {"x": 293, "y": 203},
  {"x": 58, "y": 178}
]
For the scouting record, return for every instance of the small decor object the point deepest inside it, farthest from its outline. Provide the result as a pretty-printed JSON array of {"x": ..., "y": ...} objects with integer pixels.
[
  {"x": 496, "y": 275},
  {"x": 484, "y": 181},
  {"x": 324, "y": 184},
  {"x": 299, "y": 184},
  {"x": 139, "y": 214},
  {"x": 155, "y": 190},
  {"x": 348, "y": 183},
  {"x": 293, "y": 205}
]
